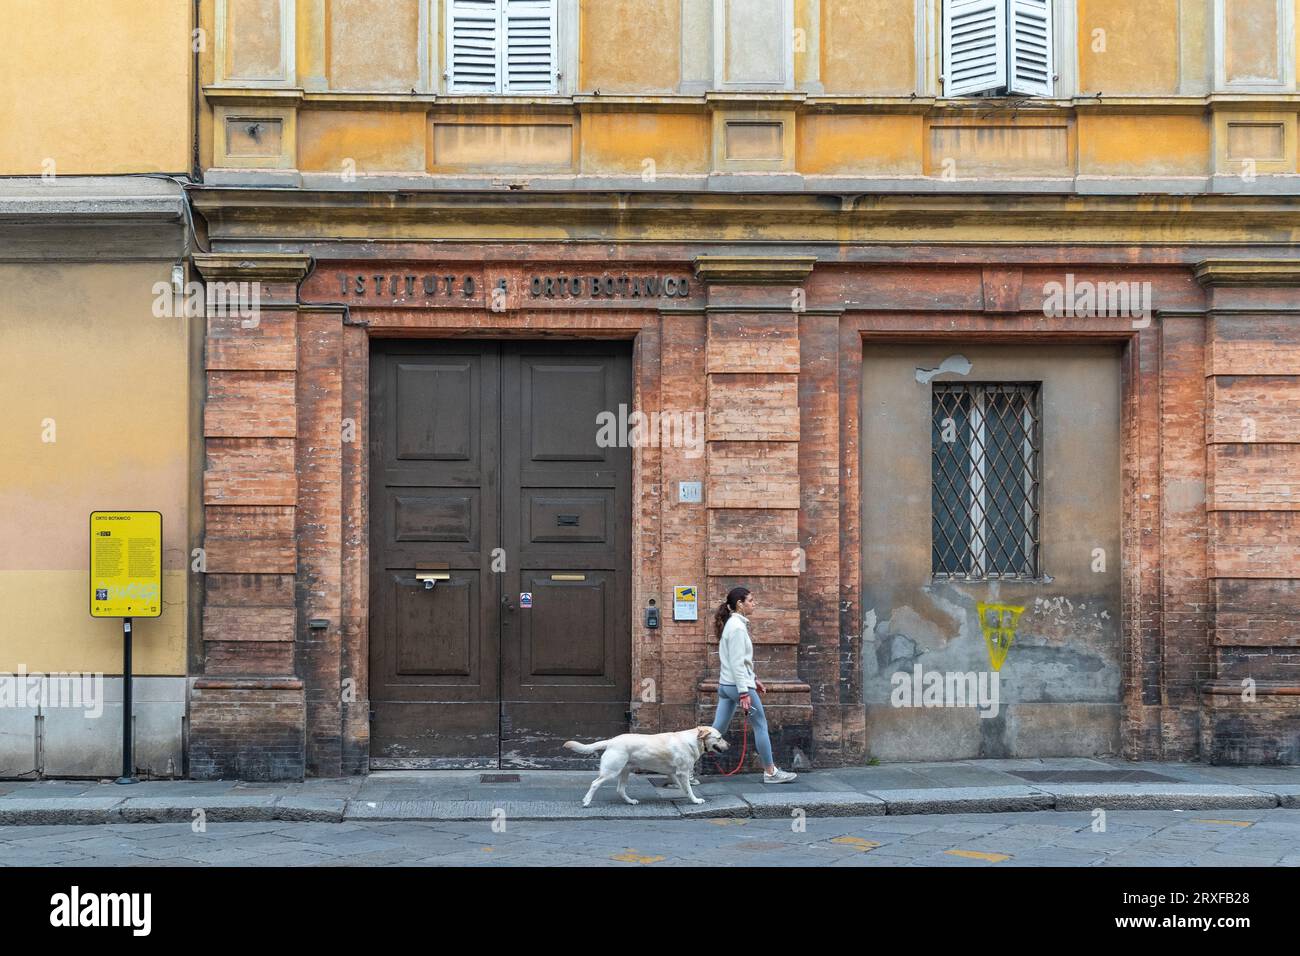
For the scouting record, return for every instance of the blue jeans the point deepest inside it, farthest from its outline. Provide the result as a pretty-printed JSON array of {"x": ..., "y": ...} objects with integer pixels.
[{"x": 728, "y": 701}]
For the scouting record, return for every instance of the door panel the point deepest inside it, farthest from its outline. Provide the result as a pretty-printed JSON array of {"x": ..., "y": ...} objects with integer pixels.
[
  {"x": 485, "y": 445},
  {"x": 435, "y": 501},
  {"x": 566, "y": 661}
]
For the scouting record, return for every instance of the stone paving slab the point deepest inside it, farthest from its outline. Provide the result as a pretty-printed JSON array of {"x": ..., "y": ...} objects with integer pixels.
[
  {"x": 1157, "y": 796},
  {"x": 965, "y": 800},
  {"x": 846, "y": 803}
]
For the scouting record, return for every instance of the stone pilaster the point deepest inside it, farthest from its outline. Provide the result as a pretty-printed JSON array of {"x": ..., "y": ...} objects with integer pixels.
[
  {"x": 247, "y": 715},
  {"x": 1251, "y": 704},
  {"x": 752, "y": 478}
]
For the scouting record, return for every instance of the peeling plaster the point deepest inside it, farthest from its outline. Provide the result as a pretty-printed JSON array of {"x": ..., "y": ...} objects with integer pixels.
[{"x": 957, "y": 364}]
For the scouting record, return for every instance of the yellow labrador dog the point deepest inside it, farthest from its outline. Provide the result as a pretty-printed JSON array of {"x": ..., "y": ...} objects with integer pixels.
[{"x": 673, "y": 754}]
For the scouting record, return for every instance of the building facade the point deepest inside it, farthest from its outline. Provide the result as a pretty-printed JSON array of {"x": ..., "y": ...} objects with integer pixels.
[
  {"x": 963, "y": 332},
  {"x": 96, "y": 358},
  {"x": 806, "y": 241}
]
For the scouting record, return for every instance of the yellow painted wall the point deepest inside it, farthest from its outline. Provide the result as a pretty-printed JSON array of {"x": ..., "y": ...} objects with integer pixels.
[
  {"x": 1136, "y": 50},
  {"x": 857, "y": 48},
  {"x": 630, "y": 46},
  {"x": 1177, "y": 145},
  {"x": 376, "y": 140},
  {"x": 96, "y": 88},
  {"x": 868, "y": 47},
  {"x": 620, "y": 144},
  {"x": 207, "y": 76},
  {"x": 83, "y": 348},
  {"x": 259, "y": 50},
  {"x": 860, "y": 144},
  {"x": 373, "y": 44}
]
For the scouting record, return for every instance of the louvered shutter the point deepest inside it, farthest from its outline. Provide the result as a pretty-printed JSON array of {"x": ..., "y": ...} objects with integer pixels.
[
  {"x": 974, "y": 46},
  {"x": 474, "y": 35},
  {"x": 530, "y": 46},
  {"x": 1031, "y": 47}
]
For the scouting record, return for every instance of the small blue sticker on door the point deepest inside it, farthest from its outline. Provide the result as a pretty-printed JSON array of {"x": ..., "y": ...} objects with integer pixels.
[{"x": 525, "y": 598}]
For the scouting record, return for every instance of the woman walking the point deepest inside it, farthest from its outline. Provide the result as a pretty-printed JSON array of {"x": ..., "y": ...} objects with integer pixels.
[{"x": 737, "y": 683}]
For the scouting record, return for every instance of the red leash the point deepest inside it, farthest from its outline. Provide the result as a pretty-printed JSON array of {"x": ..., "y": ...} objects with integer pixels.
[{"x": 744, "y": 737}]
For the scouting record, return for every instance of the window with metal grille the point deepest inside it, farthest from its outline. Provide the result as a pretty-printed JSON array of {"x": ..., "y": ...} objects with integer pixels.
[{"x": 986, "y": 446}]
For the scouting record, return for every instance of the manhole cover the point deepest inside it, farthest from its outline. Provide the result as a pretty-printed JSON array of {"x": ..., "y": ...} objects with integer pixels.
[
  {"x": 1091, "y": 776},
  {"x": 498, "y": 778}
]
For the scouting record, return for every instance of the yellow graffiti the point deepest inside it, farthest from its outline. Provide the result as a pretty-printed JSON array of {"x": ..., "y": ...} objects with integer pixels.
[
  {"x": 864, "y": 846},
  {"x": 977, "y": 855},
  {"x": 998, "y": 623},
  {"x": 1226, "y": 823},
  {"x": 631, "y": 856}
]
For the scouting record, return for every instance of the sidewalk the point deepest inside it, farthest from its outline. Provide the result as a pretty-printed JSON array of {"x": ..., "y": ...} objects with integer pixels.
[{"x": 967, "y": 786}]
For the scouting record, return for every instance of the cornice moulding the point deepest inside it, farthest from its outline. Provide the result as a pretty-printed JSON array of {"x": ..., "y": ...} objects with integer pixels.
[
  {"x": 1250, "y": 272},
  {"x": 754, "y": 269},
  {"x": 271, "y": 266}
]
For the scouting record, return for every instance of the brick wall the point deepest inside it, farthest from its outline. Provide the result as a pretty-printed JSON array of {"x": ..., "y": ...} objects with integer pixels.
[
  {"x": 1252, "y": 387},
  {"x": 247, "y": 707},
  {"x": 1211, "y": 547}
]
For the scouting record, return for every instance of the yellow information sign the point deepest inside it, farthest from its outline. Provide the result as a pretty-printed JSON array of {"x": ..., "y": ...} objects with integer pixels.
[
  {"x": 125, "y": 563},
  {"x": 686, "y": 603}
]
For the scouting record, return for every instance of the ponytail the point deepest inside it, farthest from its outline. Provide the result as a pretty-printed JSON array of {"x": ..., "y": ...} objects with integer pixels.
[
  {"x": 725, "y": 609},
  {"x": 720, "y": 620}
]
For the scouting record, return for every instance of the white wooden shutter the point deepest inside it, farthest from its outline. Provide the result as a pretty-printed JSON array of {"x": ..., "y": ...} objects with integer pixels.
[
  {"x": 1031, "y": 47},
  {"x": 974, "y": 46},
  {"x": 473, "y": 45},
  {"x": 530, "y": 46}
]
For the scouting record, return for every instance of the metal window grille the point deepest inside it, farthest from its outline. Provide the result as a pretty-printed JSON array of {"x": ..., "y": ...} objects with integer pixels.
[{"x": 986, "y": 465}]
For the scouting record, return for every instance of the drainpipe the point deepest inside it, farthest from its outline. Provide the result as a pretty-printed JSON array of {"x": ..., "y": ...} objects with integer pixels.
[{"x": 196, "y": 173}]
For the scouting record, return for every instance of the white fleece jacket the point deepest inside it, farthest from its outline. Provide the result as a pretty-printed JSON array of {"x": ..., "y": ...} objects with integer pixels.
[{"x": 736, "y": 653}]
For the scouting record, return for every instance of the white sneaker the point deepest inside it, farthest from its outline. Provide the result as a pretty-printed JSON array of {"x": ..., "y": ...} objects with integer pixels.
[{"x": 781, "y": 776}]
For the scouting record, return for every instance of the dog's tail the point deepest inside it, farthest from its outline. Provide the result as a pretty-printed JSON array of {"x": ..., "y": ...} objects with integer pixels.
[{"x": 595, "y": 748}]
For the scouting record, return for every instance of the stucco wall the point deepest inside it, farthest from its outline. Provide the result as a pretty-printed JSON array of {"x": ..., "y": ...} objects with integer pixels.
[
  {"x": 1059, "y": 686},
  {"x": 104, "y": 88},
  {"x": 96, "y": 396}
]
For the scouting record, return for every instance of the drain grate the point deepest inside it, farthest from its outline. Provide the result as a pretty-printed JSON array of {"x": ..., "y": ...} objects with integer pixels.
[
  {"x": 1091, "y": 776},
  {"x": 498, "y": 778}
]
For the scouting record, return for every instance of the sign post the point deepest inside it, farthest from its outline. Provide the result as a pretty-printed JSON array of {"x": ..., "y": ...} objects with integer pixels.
[{"x": 126, "y": 582}]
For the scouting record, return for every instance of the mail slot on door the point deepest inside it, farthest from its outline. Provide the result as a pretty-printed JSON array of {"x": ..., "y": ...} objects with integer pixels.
[
  {"x": 430, "y": 578},
  {"x": 572, "y": 518}
]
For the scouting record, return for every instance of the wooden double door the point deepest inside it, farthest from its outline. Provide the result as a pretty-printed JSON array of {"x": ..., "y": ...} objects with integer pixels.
[{"x": 500, "y": 546}]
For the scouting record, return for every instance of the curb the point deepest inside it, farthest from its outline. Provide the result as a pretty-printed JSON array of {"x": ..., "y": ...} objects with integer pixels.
[
  {"x": 1136, "y": 796},
  {"x": 78, "y": 811},
  {"x": 966, "y": 800}
]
